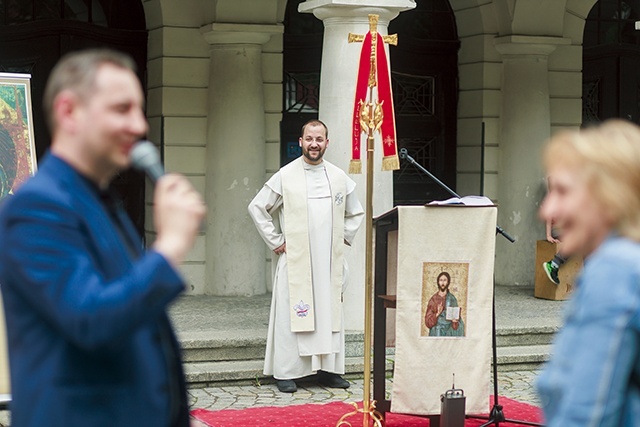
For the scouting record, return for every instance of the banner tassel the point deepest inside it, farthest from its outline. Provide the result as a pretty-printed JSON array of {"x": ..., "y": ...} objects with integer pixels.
[
  {"x": 390, "y": 163},
  {"x": 355, "y": 167}
]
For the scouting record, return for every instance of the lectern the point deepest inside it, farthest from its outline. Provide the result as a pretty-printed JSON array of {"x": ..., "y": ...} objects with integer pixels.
[{"x": 434, "y": 265}]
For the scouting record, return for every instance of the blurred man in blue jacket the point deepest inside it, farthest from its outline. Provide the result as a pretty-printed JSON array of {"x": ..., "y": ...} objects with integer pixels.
[{"x": 90, "y": 343}]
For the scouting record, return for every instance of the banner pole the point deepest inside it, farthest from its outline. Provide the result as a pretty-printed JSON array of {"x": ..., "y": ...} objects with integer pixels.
[
  {"x": 368, "y": 410},
  {"x": 368, "y": 318},
  {"x": 370, "y": 116}
]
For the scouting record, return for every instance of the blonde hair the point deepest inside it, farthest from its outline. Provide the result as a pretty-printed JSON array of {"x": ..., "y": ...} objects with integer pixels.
[
  {"x": 77, "y": 71},
  {"x": 608, "y": 156}
]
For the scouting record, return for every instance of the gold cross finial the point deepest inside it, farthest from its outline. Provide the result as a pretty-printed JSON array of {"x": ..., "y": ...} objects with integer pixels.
[
  {"x": 373, "y": 23},
  {"x": 373, "y": 27}
]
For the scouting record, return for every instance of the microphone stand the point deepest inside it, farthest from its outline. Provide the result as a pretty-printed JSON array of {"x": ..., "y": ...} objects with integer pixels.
[
  {"x": 405, "y": 156},
  {"x": 496, "y": 416}
]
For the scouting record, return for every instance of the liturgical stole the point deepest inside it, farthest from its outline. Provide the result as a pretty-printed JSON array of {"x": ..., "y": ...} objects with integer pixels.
[{"x": 296, "y": 218}]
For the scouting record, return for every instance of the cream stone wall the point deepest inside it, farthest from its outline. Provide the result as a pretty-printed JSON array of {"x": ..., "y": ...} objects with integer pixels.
[
  {"x": 565, "y": 68},
  {"x": 177, "y": 97},
  {"x": 480, "y": 73},
  {"x": 272, "y": 63},
  {"x": 178, "y": 89},
  {"x": 482, "y": 98},
  {"x": 479, "y": 96},
  {"x": 177, "y": 80}
]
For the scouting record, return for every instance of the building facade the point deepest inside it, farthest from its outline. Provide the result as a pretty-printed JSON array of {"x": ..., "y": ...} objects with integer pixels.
[{"x": 228, "y": 82}]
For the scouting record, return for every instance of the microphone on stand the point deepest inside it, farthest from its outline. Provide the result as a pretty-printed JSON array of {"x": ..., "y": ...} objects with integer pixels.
[
  {"x": 405, "y": 156},
  {"x": 145, "y": 157}
]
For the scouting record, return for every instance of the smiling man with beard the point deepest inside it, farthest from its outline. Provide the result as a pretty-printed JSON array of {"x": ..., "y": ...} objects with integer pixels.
[{"x": 317, "y": 202}]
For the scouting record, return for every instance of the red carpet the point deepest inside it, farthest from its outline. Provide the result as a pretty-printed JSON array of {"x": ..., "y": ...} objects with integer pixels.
[{"x": 327, "y": 415}]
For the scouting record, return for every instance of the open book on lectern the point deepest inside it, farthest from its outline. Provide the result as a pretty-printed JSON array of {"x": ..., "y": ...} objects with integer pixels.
[{"x": 466, "y": 201}]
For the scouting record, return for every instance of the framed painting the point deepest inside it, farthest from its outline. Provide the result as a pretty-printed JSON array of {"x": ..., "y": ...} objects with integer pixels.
[
  {"x": 17, "y": 145},
  {"x": 444, "y": 299}
]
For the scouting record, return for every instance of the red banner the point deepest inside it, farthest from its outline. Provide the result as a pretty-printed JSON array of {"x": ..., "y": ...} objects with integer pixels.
[
  {"x": 364, "y": 66},
  {"x": 390, "y": 159},
  {"x": 385, "y": 103}
]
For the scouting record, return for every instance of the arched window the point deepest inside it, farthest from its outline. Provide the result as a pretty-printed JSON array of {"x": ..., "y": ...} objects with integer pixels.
[
  {"x": 611, "y": 59},
  {"x": 612, "y": 22}
]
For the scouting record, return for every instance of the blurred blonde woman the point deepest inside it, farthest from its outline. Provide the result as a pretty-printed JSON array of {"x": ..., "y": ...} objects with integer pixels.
[{"x": 593, "y": 378}]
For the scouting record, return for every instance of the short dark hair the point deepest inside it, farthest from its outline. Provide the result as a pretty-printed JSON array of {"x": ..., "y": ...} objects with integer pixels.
[
  {"x": 315, "y": 122},
  {"x": 76, "y": 71}
]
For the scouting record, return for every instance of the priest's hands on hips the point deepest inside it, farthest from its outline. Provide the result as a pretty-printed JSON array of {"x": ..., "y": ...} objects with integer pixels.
[
  {"x": 281, "y": 249},
  {"x": 178, "y": 212}
]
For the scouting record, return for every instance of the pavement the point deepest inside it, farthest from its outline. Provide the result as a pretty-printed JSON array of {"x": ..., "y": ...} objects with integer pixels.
[{"x": 518, "y": 385}]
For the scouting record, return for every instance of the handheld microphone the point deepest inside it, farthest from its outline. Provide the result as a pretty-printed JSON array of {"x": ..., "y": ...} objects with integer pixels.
[
  {"x": 145, "y": 157},
  {"x": 403, "y": 153}
]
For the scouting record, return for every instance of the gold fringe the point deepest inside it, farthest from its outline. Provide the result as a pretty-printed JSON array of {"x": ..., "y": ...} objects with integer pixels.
[
  {"x": 355, "y": 167},
  {"x": 390, "y": 163}
]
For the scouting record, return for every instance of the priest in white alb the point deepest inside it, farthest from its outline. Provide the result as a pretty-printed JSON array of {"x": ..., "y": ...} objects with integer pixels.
[{"x": 307, "y": 213}]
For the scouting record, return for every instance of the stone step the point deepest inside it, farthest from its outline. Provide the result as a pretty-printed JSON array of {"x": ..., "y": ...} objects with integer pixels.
[
  {"x": 519, "y": 336},
  {"x": 522, "y": 358},
  {"x": 223, "y": 357},
  {"x": 246, "y": 372},
  {"x": 206, "y": 346},
  {"x": 210, "y": 346}
]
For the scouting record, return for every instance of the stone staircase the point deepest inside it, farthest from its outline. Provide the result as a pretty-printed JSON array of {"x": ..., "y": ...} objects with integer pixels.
[
  {"x": 239, "y": 360},
  {"x": 222, "y": 344},
  {"x": 523, "y": 349}
]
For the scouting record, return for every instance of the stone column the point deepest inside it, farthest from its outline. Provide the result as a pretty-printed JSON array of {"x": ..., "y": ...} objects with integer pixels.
[
  {"x": 525, "y": 126},
  {"x": 337, "y": 94},
  {"x": 235, "y": 157}
]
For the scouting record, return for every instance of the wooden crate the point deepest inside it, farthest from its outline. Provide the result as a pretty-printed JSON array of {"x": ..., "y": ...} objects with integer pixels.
[{"x": 545, "y": 288}]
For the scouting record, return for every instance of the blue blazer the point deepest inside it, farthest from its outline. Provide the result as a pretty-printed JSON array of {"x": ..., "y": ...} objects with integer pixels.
[{"x": 90, "y": 343}]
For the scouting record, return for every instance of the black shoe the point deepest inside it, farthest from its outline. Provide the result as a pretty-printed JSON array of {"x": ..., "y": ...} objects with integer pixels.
[
  {"x": 331, "y": 380},
  {"x": 287, "y": 386}
]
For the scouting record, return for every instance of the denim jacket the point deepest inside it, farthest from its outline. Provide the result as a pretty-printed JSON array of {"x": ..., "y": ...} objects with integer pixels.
[{"x": 593, "y": 377}]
